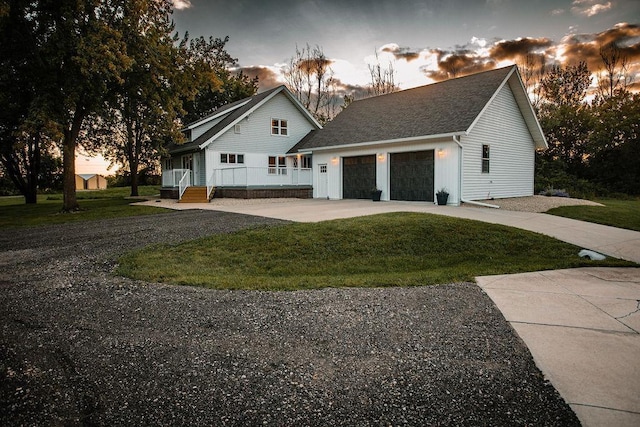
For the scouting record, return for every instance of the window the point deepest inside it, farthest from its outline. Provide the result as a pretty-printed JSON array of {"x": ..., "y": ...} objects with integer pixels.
[
  {"x": 323, "y": 168},
  {"x": 303, "y": 161},
  {"x": 168, "y": 164},
  {"x": 187, "y": 135},
  {"x": 237, "y": 129},
  {"x": 279, "y": 127},
  {"x": 277, "y": 165},
  {"x": 187, "y": 161},
  {"x": 306, "y": 162},
  {"x": 231, "y": 158},
  {"x": 485, "y": 159}
]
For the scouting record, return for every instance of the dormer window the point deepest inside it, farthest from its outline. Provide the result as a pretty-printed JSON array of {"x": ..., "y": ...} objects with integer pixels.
[
  {"x": 279, "y": 127},
  {"x": 187, "y": 135}
]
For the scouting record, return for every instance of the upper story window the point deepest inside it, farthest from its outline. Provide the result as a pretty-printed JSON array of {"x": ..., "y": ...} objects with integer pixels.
[
  {"x": 187, "y": 135},
  {"x": 485, "y": 159},
  {"x": 229, "y": 158},
  {"x": 279, "y": 127}
]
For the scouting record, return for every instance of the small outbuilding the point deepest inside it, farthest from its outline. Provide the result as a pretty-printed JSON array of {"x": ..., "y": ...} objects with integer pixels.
[{"x": 90, "y": 181}]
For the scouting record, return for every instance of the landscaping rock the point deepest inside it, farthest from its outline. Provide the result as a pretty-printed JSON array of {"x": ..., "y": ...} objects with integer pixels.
[{"x": 79, "y": 345}]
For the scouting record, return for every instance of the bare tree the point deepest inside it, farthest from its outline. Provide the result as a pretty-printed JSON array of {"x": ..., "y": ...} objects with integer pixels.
[
  {"x": 532, "y": 69},
  {"x": 310, "y": 77},
  {"x": 614, "y": 78},
  {"x": 382, "y": 79}
]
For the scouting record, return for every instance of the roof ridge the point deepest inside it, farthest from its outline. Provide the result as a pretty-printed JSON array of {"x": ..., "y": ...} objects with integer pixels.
[{"x": 452, "y": 79}]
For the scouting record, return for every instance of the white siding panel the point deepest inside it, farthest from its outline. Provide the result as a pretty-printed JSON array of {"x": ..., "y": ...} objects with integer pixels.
[
  {"x": 255, "y": 130},
  {"x": 445, "y": 173},
  {"x": 512, "y": 152}
]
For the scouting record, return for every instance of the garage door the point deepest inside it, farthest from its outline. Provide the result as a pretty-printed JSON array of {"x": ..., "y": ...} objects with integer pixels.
[
  {"x": 358, "y": 177},
  {"x": 411, "y": 176}
]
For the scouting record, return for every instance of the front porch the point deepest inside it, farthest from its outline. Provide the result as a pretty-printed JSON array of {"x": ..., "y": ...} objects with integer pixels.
[{"x": 241, "y": 182}]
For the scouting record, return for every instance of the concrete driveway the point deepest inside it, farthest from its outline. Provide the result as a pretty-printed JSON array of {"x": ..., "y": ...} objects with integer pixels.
[{"x": 582, "y": 326}]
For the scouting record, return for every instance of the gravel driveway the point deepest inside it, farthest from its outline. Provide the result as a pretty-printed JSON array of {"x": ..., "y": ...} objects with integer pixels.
[{"x": 79, "y": 346}]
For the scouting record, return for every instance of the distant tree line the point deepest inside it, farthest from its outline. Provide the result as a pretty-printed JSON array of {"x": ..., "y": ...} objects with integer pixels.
[
  {"x": 111, "y": 76},
  {"x": 594, "y": 145}
]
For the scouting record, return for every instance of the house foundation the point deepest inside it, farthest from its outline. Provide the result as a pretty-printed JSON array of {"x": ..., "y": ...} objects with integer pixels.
[{"x": 297, "y": 192}]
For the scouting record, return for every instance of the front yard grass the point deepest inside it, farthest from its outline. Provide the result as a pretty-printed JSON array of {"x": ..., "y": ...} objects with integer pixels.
[
  {"x": 398, "y": 249},
  {"x": 615, "y": 212},
  {"x": 100, "y": 204}
]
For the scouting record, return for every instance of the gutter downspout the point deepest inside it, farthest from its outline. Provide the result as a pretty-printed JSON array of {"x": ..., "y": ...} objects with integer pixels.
[
  {"x": 485, "y": 205},
  {"x": 456, "y": 139}
]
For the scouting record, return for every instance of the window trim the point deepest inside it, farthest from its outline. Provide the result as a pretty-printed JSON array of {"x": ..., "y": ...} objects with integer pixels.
[
  {"x": 278, "y": 166},
  {"x": 279, "y": 127},
  {"x": 486, "y": 160},
  {"x": 225, "y": 159}
]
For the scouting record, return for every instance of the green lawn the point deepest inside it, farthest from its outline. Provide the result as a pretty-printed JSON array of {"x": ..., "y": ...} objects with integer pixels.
[
  {"x": 100, "y": 204},
  {"x": 617, "y": 213},
  {"x": 399, "y": 249}
]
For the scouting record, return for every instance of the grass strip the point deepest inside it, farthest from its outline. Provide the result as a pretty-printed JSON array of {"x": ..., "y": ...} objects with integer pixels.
[
  {"x": 94, "y": 205},
  {"x": 397, "y": 249},
  {"x": 615, "y": 212}
]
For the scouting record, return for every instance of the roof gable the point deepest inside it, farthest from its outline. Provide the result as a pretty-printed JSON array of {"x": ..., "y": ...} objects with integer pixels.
[
  {"x": 446, "y": 108},
  {"x": 233, "y": 113}
]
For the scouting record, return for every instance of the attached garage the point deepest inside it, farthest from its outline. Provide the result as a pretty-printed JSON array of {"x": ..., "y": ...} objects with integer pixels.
[
  {"x": 411, "y": 176},
  {"x": 358, "y": 177},
  {"x": 456, "y": 118}
]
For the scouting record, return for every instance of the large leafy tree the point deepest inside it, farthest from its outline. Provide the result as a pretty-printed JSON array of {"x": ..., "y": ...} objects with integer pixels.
[
  {"x": 212, "y": 83},
  {"x": 26, "y": 130},
  {"x": 73, "y": 52},
  {"x": 615, "y": 146},
  {"x": 565, "y": 117},
  {"x": 144, "y": 106}
]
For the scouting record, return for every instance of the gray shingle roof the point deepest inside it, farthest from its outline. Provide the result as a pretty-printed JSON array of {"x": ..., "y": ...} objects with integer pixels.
[
  {"x": 232, "y": 117},
  {"x": 441, "y": 108}
]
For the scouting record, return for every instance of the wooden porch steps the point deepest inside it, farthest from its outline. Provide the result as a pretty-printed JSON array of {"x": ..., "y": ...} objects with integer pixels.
[{"x": 195, "y": 195}]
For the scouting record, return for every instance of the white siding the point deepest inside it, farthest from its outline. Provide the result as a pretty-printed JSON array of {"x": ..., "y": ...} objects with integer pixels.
[
  {"x": 445, "y": 167},
  {"x": 255, "y": 130},
  {"x": 512, "y": 152}
]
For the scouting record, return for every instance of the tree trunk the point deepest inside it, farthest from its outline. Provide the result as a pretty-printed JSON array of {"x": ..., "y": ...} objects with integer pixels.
[
  {"x": 134, "y": 181},
  {"x": 33, "y": 169},
  {"x": 69, "y": 201}
]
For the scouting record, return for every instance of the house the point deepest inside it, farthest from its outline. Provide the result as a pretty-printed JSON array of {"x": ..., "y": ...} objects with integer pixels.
[
  {"x": 90, "y": 181},
  {"x": 242, "y": 150},
  {"x": 475, "y": 136}
]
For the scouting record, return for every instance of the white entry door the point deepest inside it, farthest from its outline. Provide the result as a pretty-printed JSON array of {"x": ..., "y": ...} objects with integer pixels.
[
  {"x": 196, "y": 169},
  {"x": 322, "y": 192},
  {"x": 187, "y": 163}
]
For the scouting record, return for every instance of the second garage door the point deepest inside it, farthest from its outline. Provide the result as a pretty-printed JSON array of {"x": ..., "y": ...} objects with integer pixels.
[
  {"x": 411, "y": 176},
  {"x": 358, "y": 177}
]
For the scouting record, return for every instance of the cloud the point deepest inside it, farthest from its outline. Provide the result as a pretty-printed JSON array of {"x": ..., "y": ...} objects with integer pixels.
[
  {"x": 586, "y": 47},
  {"x": 458, "y": 63},
  {"x": 519, "y": 48},
  {"x": 590, "y": 8},
  {"x": 400, "y": 52},
  {"x": 181, "y": 4},
  {"x": 268, "y": 77}
]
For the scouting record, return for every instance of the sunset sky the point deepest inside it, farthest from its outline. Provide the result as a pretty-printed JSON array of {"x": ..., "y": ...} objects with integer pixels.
[{"x": 418, "y": 36}]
